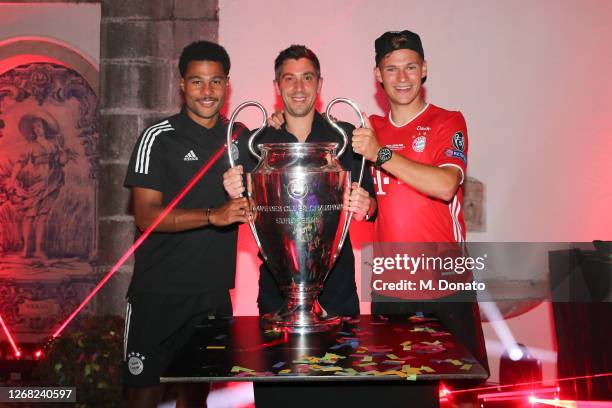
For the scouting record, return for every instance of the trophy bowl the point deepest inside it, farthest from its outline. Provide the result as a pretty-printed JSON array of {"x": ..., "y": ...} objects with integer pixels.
[{"x": 296, "y": 193}]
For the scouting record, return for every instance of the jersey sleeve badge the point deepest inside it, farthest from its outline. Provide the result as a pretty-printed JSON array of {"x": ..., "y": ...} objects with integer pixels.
[{"x": 459, "y": 141}]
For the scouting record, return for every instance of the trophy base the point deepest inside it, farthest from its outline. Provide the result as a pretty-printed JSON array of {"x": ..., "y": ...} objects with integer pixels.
[{"x": 301, "y": 320}]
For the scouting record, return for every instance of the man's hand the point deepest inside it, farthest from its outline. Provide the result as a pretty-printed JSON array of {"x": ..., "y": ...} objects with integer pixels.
[
  {"x": 276, "y": 120},
  {"x": 357, "y": 201},
  {"x": 365, "y": 142},
  {"x": 232, "y": 181},
  {"x": 235, "y": 210}
]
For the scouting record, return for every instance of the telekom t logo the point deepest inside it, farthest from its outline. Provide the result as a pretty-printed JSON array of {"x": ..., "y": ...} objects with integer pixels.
[{"x": 381, "y": 179}]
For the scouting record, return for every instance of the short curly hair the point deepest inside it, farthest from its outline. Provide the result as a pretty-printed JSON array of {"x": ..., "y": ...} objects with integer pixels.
[{"x": 204, "y": 51}]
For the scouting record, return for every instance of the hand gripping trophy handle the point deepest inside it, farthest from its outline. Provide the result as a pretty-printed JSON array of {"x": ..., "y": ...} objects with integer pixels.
[
  {"x": 230, "y": 128},
  {"x": 353, "y": 105}
]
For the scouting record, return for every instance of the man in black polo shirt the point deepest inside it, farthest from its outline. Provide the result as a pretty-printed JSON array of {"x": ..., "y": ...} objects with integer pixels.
[
  {"x": 183, "y": 271},
  {"x": 298, "y": 82}
]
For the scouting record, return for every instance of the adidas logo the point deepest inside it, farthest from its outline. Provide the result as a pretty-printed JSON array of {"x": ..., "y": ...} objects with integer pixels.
[{"x": 191, "y": 156}]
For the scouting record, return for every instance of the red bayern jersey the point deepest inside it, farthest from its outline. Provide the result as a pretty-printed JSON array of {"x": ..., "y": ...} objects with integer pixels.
[{"x": 435, "y": 137}]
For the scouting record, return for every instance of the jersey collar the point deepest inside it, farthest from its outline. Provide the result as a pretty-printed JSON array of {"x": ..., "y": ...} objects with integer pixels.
[
  {"x": 317, "y": 131},
  {"x": 416, "y": 116}
]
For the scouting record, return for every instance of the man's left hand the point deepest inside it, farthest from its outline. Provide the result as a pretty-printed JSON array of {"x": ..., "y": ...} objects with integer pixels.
[{"x": 357, "y": 201}]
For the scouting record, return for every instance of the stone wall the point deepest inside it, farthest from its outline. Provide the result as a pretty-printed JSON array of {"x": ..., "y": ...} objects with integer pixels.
[{"x": 140, "y": 45}]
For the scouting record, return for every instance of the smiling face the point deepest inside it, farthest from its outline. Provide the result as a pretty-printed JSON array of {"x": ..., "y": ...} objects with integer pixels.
[
  {"x": 298, "y": 85},
  {"x": 204, "y": 86},
  {"x": 401, "y": 72}
]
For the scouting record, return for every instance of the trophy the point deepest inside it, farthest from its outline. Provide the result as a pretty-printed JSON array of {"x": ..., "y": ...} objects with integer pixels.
[{"x": 296, "y": 193}]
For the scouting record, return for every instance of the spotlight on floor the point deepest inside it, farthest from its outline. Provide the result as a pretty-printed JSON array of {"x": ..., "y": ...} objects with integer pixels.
[{"x": 517, "y": 366}]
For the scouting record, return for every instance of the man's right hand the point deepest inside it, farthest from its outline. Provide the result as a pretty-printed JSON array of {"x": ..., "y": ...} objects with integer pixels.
[
  {"x": 232, "y": 181},
  {"x": 235, "y": 210}
]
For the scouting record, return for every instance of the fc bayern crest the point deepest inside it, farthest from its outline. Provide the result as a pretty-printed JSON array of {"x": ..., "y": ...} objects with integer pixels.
[
  {"x": 418, "y": 144},
  {"x": 459, "y": 141},
  {"x": 135, "y": 363}
]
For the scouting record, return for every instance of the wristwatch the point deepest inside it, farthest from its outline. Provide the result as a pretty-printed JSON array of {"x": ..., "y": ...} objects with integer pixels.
[{"x": 383, "y": 156}]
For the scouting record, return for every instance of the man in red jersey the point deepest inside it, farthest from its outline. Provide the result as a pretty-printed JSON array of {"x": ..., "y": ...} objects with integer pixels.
[{"x": 420, "y": 156}]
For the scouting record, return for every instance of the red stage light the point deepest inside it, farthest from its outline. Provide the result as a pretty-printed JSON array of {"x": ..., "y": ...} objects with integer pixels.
[
  {"x": 144, "y": 236},
  {"x": 443, "y": 390},
  {"x": 38, "y": 354}
]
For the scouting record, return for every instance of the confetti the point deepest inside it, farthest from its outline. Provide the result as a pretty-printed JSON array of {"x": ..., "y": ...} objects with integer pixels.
[
  {"x": 393, "y": 372},
  {"x": 331, "y": 356},
  {"x": 238, "y": 369},
  {"x": 331, "y": 368},
  {"x": 439, "y": 334},
  {"x": 393, "y": 362}
]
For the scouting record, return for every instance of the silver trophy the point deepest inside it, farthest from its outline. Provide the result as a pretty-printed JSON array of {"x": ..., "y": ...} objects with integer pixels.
[{"x": 296, "y": 193}]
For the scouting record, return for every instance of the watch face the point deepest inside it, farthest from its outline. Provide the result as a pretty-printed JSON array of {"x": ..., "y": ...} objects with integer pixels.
[{"x": 384, "y": 154}]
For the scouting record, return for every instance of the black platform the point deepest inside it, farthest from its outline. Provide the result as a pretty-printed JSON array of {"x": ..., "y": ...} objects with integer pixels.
[{"x": 365, "y": 349}]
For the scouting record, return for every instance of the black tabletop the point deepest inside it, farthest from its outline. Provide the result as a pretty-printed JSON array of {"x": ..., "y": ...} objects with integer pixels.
[{"x": 367, "y": 348}]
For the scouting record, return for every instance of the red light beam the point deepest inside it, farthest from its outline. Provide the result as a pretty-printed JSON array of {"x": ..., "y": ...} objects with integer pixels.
[
  {"x": 497, "y": 387},
  {"x": 553, "y": 402},
  {"x": 10, "y": 338},
  {"x": 144, "y": 236},
  {"x": 571, "y": 404}
]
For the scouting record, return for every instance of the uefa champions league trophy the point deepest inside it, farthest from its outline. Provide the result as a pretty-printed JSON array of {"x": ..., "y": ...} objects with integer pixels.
[{"x": 296, "y": 193}]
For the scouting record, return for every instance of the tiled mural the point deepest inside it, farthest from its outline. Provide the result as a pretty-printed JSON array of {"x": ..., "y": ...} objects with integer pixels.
[{"x": 48, "y": 183}]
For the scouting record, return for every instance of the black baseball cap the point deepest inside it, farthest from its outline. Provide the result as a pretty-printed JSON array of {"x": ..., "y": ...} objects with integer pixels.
[{"x": 397, "y": 40}]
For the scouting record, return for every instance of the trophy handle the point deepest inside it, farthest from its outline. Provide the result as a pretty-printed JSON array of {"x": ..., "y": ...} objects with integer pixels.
[
  {"x": 353, "y": 105},
  {"x": 230, "y": 128}
]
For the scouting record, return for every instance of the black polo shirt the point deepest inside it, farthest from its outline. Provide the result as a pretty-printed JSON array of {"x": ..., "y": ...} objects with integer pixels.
[
  {"x": 166, "y": 157},
  {"x": 339, "y": 293}
]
